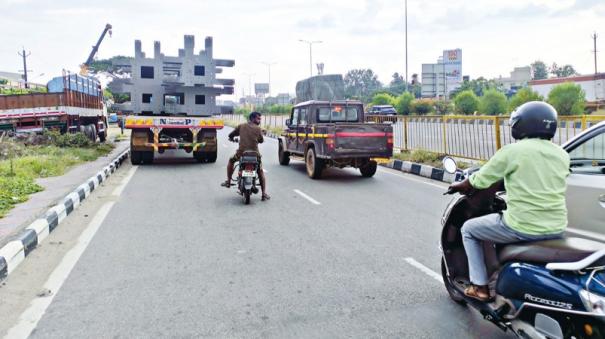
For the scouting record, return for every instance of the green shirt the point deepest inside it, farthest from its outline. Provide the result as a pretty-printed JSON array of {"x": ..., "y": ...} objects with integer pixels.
[{"x": 534, "y": 173}]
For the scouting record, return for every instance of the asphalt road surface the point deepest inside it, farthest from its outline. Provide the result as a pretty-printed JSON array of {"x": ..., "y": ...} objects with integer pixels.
[{"x": 164, "y": 251}]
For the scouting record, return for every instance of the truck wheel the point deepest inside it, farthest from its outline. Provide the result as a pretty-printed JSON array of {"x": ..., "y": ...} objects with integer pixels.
[
  {"x": 284, "y": 157},
  {"x": 199, "y": 156},
  {"x": 136, "y": 158},
  {"x": 148, "y": 157},
  {"x": 102, "y": 136},
  {"x": 368, "y": 170},
  {"x": 314, "y": 165},
  {"x": 211, "y": 156}
]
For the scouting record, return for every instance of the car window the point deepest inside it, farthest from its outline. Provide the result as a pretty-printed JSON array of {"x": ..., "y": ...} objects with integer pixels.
[
  {"x": 302, "y": 117},
  {"x": 294, "y": 120},
  {"x": 589, "y": 157},
  {"x": 338, "y": 114}
]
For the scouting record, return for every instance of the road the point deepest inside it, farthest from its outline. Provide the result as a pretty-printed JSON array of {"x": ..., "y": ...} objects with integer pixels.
[{"x": 164, "y": 251}]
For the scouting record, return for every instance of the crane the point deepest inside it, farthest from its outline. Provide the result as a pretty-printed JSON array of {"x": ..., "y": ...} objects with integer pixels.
[{"x": 95, "y": 48}]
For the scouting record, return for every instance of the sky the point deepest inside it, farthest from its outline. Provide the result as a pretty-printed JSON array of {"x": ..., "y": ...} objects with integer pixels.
[{"x": 495, "y": 35}]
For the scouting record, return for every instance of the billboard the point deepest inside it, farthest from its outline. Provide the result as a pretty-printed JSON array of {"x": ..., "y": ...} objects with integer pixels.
[
  {"x": 261, "y": 88},
  {"x": 453, "y": 66}
]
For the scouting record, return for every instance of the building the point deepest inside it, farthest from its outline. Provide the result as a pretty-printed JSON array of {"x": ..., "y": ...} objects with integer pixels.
[
  {"x": 444, "y": 76},
  {"x": 280, "y": 99},
  {"x": 593, "y": 85},
  {"x": 519, "y": 78},
  {"x": 185, "y": 84}
]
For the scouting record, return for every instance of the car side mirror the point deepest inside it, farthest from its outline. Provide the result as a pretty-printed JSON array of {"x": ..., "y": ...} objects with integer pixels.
[{"x": 288, "y": 122}]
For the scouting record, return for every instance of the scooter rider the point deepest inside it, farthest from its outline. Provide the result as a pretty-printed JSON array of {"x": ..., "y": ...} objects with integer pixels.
[
  {"x": 534, "y": 171},
  {"x": 250, "y": 135}
]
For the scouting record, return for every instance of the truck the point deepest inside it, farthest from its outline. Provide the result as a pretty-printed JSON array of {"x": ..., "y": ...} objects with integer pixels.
[
  {"x": 173, "y": 101},
  {"x": 333, "y": 134},
  {"x": 72, "y": 104}
]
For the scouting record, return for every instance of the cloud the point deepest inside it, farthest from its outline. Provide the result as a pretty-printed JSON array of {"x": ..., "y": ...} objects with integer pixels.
[{"x": 327, "y": 21}]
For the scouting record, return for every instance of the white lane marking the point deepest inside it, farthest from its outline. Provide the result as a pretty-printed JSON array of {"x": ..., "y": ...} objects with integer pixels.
[
  {"x": 30, "y": 318},
  {"x": 424, "y": 269},
  {"x": 404, "y": 176},
  {"x": 313, "y": 201},
  {"x": 118, "y": 190},
  {"x": 589, "y": 234}
]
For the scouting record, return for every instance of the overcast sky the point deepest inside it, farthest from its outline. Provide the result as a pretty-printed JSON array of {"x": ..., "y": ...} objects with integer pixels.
[{"x": 494, "y": 35}]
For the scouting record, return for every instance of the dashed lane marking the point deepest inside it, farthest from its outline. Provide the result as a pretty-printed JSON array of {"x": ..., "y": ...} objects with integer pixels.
[
  {"x": 424, "y": 269},
  {"x": 313, "y": 201}
]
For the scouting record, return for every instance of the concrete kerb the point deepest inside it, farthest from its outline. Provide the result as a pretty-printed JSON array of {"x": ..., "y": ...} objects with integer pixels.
[
  {"x": 421, "y": 170},
  {"x": 15, "y": 251}
]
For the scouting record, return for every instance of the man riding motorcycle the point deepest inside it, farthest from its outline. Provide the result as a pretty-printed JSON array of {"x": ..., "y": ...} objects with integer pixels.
[
  {"x": 534, "y": 171},
  {"x": 250, "y": 135}
]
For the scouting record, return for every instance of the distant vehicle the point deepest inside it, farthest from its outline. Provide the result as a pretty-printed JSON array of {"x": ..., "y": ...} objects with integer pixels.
[
  {"x": 586, "y": 183},
  {"x": 382, "y": 110},
  {"x": 333, "y": 134},
  {"x": 113, "y": 118}
]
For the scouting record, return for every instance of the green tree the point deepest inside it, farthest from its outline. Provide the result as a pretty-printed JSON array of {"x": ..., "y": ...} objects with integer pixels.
[
  {"x": 522, "y": 96},
  {"x": 383, "y": 99},
  {"x": 106, "y": 65},
  {"x": 397, "y": 84},
  {"x": 492, "y": 102},
  {"x": 422, "y": 106},
  {"x": 478, "y": 86},
  {"x": 361, "y": 84},
  {"x": 403, "y": 103},
  {"x": 568, "y": 99},
  {"x": 539, "y": 70},
  {"x": 443, "y": 107},
  {"x": 466, "y": 102},
  {"x": 562, "y": 71}
]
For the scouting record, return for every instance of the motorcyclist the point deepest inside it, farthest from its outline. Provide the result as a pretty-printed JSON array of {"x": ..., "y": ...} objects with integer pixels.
[
  {"x": 534, "y": 171},
  {"x": 250, "y": 135}
]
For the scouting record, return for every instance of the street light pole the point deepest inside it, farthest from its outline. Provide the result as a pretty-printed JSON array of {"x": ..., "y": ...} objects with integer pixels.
[
  {"x": 310, "y": 53},
  {"x": 268, "y": 64},
  {"x": 406, "y": 45},
  {"x": 249, "y": 75}
]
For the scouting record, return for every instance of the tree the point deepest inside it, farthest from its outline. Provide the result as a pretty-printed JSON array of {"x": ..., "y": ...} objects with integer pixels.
[
  {"x": 383, "y": 99},
  {"x": 568, "y": 99},
  {"x": 360, "y": 84},
  {"x": 466, "y": 102},
  {"x": 106, "y": 65},
  {"x": 422, "y": 106},
  {"x": 478, "y": 86},
  {"x": 539, "y": 70},
  {"x": 523, "y": 95},
  {"x": 562, "y": 71},
  {"x": 397, "y": 84},
  {"x": 492, "y": 102},
  {"x": 403, "y": 103},
  {"x": 443, "y": 107}
]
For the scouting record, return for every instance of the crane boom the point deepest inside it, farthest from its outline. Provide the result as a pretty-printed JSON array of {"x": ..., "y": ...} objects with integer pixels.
[{"x": 95, "y": 48}]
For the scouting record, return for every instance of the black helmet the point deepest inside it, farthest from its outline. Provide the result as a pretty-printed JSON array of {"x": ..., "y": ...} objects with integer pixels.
[
  {"x": 534, "y": 119},
  {"x": 253, "y": 115}
]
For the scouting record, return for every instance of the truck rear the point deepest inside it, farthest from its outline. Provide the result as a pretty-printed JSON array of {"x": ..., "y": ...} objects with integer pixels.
[{"x": 150, "y": 134}]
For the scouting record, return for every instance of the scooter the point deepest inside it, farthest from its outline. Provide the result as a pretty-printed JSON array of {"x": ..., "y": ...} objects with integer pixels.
[
  {"x": 247, "y": 177},
  {"x": 543, "y": 289}
]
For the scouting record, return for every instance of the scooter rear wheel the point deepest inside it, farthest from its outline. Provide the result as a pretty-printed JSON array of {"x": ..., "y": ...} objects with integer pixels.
[
  {"x": 246, "y": 197},
  {"x": 451, "y": 290}
]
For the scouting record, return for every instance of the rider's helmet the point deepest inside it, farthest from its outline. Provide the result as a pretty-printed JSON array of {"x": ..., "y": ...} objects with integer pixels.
[
  {"x": 534, "y": 119},
  {"x": 253, "y": 115}
]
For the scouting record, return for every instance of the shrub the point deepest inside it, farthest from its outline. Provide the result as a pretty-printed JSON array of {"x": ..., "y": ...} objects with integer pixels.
[
  {"x": 403, "y": 103},
  {"x": 568, "y": 99},
  {"x": 423, "y": 106},
  {"x": 492, "y": 102},
  {"x": 383, "y": 99},
  {"x": 466, "y": 102},
  {"x": 443, "y": 107},
  {"x": 523, "y": 95}
]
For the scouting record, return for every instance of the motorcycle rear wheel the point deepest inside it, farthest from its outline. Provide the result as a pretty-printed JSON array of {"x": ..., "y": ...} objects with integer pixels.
[{"x": 246, "y": 197}]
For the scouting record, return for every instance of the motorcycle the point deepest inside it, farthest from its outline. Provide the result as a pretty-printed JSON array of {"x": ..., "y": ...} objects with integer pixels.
[
  {"x": 247, "y": 177},
  {"x": 542, "y": 289}
]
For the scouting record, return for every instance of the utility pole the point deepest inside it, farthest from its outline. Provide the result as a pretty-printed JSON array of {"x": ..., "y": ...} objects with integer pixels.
[
  {"x": 250, "y": 75},
  {"x": 268, "y": 64},
  {"x": 406, "y": 45},
  {"x": 594, "y": 38},
  {"x": 310, "y": 53},
  {"x": 24, "y": 56}
]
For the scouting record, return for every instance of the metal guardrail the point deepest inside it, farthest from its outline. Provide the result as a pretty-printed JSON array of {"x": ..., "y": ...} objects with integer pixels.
[{"x": 464, "y": 136}]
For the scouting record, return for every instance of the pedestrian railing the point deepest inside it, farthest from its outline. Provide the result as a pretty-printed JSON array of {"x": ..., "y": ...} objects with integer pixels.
[{"x": 464, "y": 136}]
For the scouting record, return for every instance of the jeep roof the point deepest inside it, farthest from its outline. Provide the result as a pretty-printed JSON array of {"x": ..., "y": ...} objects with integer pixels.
[{"x": 334, "y": 102}]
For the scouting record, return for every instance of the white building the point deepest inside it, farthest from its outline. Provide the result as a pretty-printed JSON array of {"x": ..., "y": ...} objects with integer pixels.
[
  {"x": 519, "y": 78},
  {"x": 444, "y": 76},
  {"x": 593, "y": 85}
]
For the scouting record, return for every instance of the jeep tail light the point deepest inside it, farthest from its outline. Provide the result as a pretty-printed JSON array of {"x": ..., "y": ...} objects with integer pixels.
[
  {"x": 389, "y": 140},
  {"x": 330, "y": 142}
]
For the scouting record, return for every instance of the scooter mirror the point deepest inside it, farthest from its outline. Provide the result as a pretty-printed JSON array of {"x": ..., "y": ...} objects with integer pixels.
[{"x": 450, "y": 165}]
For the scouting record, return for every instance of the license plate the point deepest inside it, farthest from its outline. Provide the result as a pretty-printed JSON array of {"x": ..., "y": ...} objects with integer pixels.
[{"x": 248, "y": 174}]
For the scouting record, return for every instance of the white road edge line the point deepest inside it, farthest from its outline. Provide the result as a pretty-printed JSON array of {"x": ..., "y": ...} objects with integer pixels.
[
  {"x": 589, "y": 234},
  {"x": 118, "y": 190},
  {"x": 404, "y": 176},
  {"x": 424, "y": 269},
  {"x": 30, "y": 318},
  {"x": 313, "y": 201}
]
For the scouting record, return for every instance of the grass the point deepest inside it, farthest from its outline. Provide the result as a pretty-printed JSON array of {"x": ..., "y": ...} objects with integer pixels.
[
  {"x": 21, "y": 165},
  {"x": 427, "y": 158}
]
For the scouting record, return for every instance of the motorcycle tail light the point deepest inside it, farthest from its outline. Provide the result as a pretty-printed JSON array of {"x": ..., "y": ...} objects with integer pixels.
[{"x": 249, "y": 167}]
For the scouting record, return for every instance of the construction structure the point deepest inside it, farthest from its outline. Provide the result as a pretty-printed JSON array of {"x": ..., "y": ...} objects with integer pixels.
[{"x": 174, "y": 85}]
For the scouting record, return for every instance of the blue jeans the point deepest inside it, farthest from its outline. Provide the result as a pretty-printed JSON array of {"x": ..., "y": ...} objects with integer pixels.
[{"x": 491, "y": 228}]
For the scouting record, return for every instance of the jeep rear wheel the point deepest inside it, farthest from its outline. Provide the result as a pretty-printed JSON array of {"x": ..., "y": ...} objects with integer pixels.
[
  {"x": 284, "y": 157},
  {"x": 314, "y": 165},
  {"x": 368, "y": 170}
]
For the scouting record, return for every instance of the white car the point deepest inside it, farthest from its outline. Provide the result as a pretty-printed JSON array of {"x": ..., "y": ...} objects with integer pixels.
[{"x": 586, "y": 183}]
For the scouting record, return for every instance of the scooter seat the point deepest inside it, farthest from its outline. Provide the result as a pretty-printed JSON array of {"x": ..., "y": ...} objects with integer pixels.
[{"x": 549, "y": 251}]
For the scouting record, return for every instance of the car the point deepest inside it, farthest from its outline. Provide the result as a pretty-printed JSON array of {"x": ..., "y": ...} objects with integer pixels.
[
  {"x": 585, "y": 195},
  {"x": 382, "y": 110}
]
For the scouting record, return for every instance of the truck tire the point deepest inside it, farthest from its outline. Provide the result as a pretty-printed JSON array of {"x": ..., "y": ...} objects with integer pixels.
[
  {"x": 283, "y": 155},
  {"x": 211, "y": 156},
  {"x": 102, "y": 136},
  {"x": 314, "y": 165},
  {"x": 199, "y": 156},
  {"x": 136, "y": 158},
  {"x": 368, "y": 170},
  {"x": 147, "y": 157}
]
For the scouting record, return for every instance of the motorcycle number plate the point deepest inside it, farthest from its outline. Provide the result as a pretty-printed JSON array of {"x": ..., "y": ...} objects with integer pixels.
[{"x": 250, "y": 174}]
